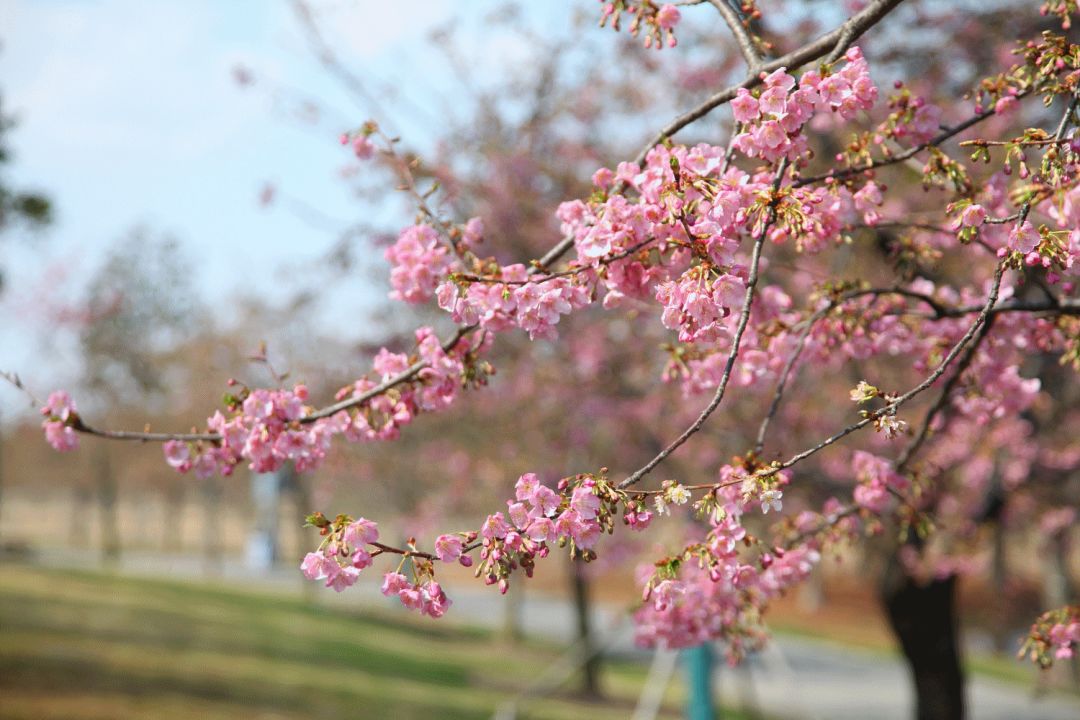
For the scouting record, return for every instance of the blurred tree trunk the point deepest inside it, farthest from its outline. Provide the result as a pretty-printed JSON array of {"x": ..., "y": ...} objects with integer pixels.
[
  {"x": 211, "y": 520},
  {"x": 812, "y": 592},
  {"x": 107, "y": 500},
  {"x": 924, "y": 620},
  {"x": 296, "y": 487},
  {"x": 512, "y": 613},
  {"x": 1002, "y": 629},
  {"x": 78, "y": 526},
  {"x": 170, "y": 522},
  {"x": 590, "y": 666},
  {"x": 1059, "y": 590},
  {"x": 300, "y": 491}
]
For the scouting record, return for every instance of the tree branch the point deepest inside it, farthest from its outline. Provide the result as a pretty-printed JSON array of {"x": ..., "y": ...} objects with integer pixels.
[
  {"x": 841, "y": 37},
  {"x": 984, "y": 313},
  {"x": 742, "y": 36},
  {"x": 744, "y": 319},
  {"x": 907, "y": 154},
  {"x": 924, "y": 428}
]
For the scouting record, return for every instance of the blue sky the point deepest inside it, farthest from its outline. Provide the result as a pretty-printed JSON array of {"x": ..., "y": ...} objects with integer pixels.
[{"x": 129, "y": 115}]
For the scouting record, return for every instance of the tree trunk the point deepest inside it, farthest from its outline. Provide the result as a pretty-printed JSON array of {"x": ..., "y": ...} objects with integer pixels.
[
  {"x": 924, "y": 620},
  {"x": 1002, "y": 631},
  {"x": 172, "y": 513},
  {"x": 590, "y": 665},
  {"x": 107, "y": 499},
  {"x": 82, "y": 498},
  {"x": 513, "y": 608},
  {"x": 211, "y": 519}
]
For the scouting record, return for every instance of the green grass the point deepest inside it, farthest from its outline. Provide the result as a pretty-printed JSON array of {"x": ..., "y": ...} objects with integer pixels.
[{"x": 82, "y": 645}]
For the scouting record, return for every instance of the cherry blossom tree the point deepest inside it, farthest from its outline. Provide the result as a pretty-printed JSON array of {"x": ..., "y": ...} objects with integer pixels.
[{"x": 866, "y": 287}]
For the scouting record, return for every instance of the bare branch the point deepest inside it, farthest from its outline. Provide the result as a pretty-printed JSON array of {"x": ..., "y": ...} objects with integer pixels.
[
  {"x": 781, "y": 385},
  {"x": 17, "y": 382},
  {"x": 742, "y": 35}
]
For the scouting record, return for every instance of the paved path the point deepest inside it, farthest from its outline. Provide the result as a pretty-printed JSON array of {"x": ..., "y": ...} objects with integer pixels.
[{"x": 794, "y": 678}]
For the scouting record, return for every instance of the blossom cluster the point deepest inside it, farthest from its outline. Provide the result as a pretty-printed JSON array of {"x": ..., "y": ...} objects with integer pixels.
[
  {"x": 351, "y": 546},
  {"x": 772, "y": 121},
  {"x": 876, "y": 478},
  {"x": 709, "y": 590},
  {"x": 514, "y": 301},
  {"x": 657, "y": 22},
  {"x": 266, "y": 428},
  {"x": 574, "y": 514},
  {"x": 577, "y": 513},
  {"x": 419, "y": 261},
  {"x": 343, "y": 555},
  {"x": 1056, "y": 632}
]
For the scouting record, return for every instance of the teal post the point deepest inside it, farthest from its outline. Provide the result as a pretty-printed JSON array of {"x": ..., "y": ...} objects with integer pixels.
[{"x": 699, "y": 672}]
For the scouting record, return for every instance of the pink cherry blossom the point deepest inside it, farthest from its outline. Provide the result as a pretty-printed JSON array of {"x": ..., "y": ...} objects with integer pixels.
[
  {"x": 448, "y": 547},
  {"x": 668, "y": 16}
]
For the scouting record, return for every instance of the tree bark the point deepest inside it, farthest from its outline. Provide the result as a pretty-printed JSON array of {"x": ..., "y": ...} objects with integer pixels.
[
  {"x": 924, "y": 620},
  {"x": 590, "y": 665}
]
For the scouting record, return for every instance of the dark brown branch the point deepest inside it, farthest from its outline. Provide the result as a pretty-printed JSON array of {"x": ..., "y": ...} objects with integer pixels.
[
  {"x": 404, "y": 376},
  {"x": 905, "y": 155},
  {"x": 924, "y": 428},
  {"x": 607, "y": 260},
  {"x": 918, "y": 389}
]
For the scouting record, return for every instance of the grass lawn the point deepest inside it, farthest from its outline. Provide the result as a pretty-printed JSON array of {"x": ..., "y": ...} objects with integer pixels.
[{"x": 91, "y": 645}]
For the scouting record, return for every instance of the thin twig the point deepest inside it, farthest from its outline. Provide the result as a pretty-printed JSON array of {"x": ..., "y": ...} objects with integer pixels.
[
  {"x": 918, "y": 389},
  {"x": 781, "y": 385},
  {"x": 744, "y": 319},
  {"x": 905, "y": 155},
  {"x": 909, "y": 451}
]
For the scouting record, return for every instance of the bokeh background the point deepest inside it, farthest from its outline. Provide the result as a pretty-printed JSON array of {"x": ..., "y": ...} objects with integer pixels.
[{"x": 184, "y": 214}]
